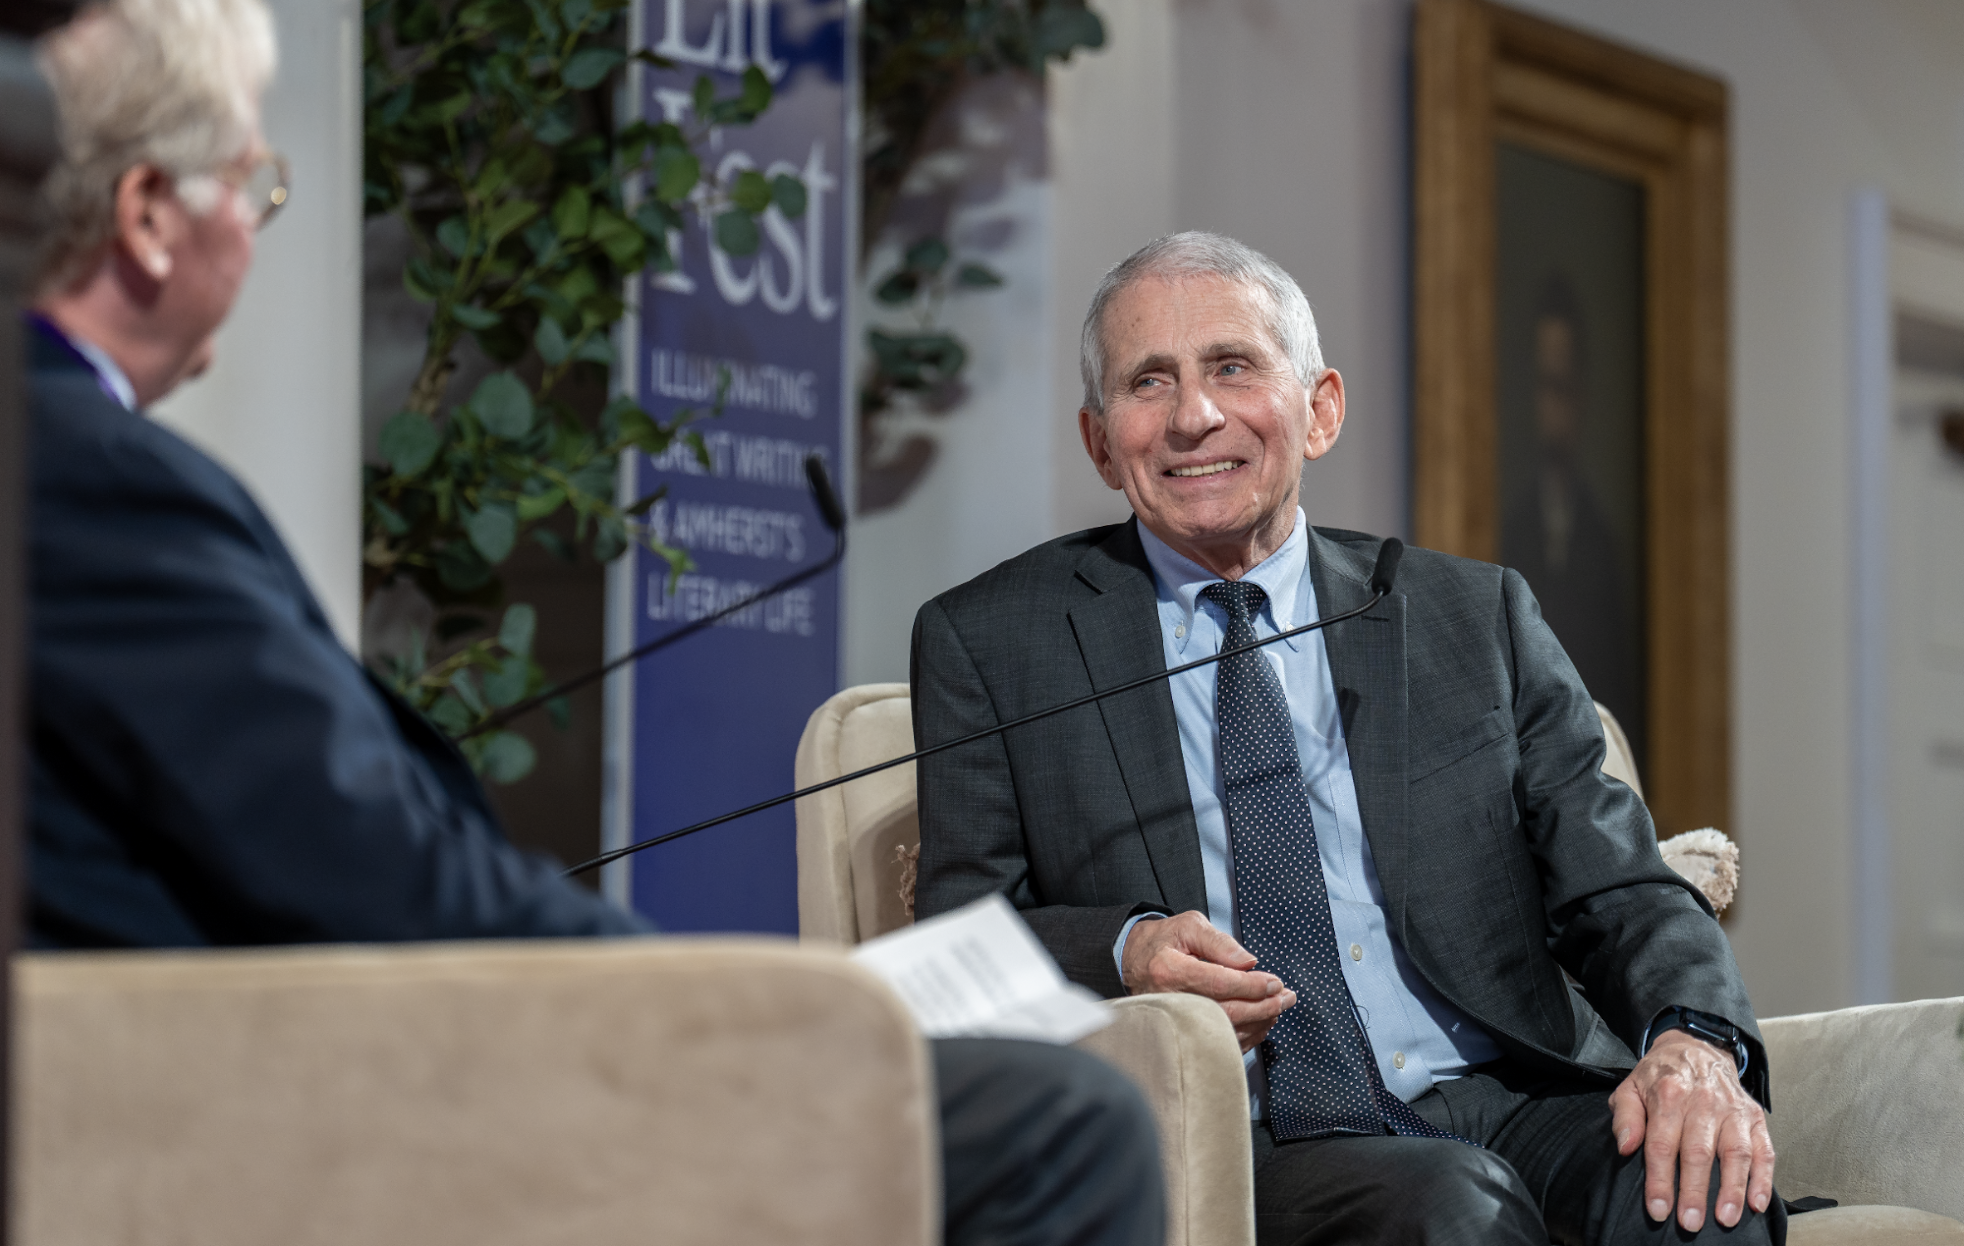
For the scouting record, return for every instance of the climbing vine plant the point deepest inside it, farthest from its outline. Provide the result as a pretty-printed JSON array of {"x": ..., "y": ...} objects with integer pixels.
[
  {"x": 489, "y": 134},
  {"x": 918, "y": 55}
]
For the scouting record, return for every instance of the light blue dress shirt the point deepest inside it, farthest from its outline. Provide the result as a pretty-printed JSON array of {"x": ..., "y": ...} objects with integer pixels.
[{"x": 1417, "y": 1037}]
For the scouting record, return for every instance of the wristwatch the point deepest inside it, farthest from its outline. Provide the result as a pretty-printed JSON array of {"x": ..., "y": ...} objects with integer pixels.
[{"x": 1715, "y": 1030}]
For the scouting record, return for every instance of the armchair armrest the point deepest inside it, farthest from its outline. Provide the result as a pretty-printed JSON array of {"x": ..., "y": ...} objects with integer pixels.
[
  {"x": 1868, "y": 1104},
  {"x": 1182, "y": 1052},
  {"x": 482, "y": 1094}
]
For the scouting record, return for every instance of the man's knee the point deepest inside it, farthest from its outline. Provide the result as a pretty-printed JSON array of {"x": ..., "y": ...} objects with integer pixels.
[
  {"x": 1045, "y": 1143},
  {"x": 1455, "y": 1192}
]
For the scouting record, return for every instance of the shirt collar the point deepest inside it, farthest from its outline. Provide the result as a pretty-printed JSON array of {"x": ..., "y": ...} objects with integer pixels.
[
  {"x": 1179, "y": 579},
  {"x": 108, "y": 375}
]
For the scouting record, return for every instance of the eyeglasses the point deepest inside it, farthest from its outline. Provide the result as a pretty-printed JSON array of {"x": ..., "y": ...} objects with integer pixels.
[{"x": 263, "y": 182}]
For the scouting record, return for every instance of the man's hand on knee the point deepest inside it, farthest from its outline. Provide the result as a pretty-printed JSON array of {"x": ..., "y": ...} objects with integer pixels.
[
  {"x": 1185, "y": 953},
  {"x": 1684, "y": 1106}
]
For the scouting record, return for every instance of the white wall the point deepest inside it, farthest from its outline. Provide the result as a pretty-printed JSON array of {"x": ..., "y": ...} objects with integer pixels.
[
  {"x": 281, "y": 407},
  {"x": 1286, "y": 124}
]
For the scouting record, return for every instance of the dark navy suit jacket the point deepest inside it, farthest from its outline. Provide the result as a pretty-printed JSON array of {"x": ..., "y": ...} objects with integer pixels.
[{"x": 209, "y": 765}]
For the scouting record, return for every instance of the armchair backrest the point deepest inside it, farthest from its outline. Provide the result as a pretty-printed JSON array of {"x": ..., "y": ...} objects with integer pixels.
[{"x": 856, "y": 842}]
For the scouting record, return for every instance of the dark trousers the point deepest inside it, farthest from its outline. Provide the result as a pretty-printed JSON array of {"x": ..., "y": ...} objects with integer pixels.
[
  {"x": 1549, "y": 1173},
  {"x": 1044, "y": 1144}
]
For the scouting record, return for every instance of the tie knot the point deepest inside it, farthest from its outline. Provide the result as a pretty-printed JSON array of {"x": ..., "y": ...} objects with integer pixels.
[{"x": 1238, "y": 597}]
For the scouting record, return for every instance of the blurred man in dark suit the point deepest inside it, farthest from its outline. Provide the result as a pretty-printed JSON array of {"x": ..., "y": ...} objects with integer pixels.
[{"x": 209, "y": 765}]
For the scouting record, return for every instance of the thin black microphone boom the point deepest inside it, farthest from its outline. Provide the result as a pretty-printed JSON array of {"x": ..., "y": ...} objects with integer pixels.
[
  {"x": 1382, "y": 577},
  {"x": 829, "y": 510}
]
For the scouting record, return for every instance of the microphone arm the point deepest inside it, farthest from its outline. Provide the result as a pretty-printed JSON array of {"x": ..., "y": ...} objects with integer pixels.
[
  {"x": 829, "y": 510},
  {"x": 1382, "y": 577}
]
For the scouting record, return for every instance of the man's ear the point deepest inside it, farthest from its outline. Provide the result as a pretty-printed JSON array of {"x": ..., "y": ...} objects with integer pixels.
[
  {"x": 1092, "y": 429},
  {"x": 1325, "y": 414},
  {"x": 149, "y": 220}
]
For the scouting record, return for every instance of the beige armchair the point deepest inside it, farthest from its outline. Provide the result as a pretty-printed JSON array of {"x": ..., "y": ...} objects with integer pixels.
[
  {"x": 486, "y": 1094},
  {"x": 1869, "y": 1102},
  {"x": 852, "y": 856}
]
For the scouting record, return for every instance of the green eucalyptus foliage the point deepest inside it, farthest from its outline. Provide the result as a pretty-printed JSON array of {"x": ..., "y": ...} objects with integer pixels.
[
  {"x": 918, "y": 54},
  {"x": 489, "y": 134}
]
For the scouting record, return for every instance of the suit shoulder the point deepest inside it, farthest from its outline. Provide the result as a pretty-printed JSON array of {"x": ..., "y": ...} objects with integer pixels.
[
  {"x": 88, "y": 451},
  {"x": 1421, "y": 570},
  {"x": 1032, "y": 576}
]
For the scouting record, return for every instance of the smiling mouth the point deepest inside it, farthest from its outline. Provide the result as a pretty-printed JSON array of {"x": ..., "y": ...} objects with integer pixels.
[{"x": 1206, "y": 469}]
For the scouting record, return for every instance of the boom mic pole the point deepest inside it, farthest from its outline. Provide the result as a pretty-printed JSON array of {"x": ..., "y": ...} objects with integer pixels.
[
  {"x": 1382, "y": 577},
  {"x": 829, "y": 510}
]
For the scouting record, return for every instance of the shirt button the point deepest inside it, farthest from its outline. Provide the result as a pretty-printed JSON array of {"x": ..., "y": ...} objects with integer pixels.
[
  {"x": 1397, "y": 1059},
  {"x": 1357, "y": 951},
  {"x": 1179, "y": 631}
]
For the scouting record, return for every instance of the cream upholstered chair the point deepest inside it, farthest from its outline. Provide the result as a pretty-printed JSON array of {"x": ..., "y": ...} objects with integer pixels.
[
  {"x": 486, "y": 1094},
  {"x": 1869, "y": 1101},
  {"x": 1178, "y": 1048},
  {"x": 1868, "y": 1104}
]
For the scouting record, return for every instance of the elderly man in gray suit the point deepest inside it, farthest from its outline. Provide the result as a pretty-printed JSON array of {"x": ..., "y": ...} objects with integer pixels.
[{"x": 1377, "y": 846}]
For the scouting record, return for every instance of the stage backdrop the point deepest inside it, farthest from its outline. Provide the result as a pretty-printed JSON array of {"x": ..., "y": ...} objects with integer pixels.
[{"x": 713, "y": 723}]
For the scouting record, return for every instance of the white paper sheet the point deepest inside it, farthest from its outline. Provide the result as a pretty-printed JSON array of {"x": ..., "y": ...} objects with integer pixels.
[{"x": 979, "y": 972}]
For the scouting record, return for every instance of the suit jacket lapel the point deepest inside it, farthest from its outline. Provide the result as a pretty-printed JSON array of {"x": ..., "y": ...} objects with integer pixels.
[
  {"x": 1367, "y": 667},
  {"x": 1118, "y": 635}
]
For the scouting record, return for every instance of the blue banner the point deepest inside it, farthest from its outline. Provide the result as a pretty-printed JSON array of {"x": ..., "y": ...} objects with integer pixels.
[{"x": 713, "y": 723}]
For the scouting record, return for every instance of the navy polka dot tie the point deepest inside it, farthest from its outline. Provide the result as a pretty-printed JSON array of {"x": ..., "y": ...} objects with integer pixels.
[{"x": 1322, "y": 1078}]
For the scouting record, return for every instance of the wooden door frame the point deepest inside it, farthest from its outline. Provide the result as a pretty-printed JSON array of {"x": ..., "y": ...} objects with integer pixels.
[{"x": 1483, "y": 74}]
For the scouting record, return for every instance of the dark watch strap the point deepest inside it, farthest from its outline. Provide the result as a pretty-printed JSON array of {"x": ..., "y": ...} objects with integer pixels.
[{"x": 1715, "y": 1030}]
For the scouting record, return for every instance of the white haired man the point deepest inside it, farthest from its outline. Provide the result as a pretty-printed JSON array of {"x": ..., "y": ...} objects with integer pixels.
[
  {"x": 1377, "y": 846},
  {"x": 209, "y": 765}
]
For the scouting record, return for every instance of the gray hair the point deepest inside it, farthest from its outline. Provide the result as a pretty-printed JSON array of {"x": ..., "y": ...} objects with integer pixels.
[
  {"x": 169, "y": 83},
  {"x": 1195, "y": 254}
]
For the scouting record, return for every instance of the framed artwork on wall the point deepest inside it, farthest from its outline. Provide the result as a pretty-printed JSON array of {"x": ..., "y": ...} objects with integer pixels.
[{"x": 1571, "y": 357}]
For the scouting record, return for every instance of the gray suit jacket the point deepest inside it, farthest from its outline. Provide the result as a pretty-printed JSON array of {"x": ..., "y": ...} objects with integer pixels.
[{"x": 1506, "y": 855}]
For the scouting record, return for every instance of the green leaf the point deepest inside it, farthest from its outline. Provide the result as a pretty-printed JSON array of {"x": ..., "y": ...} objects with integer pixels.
[
  {"x": 503, "y": 406},
  {"x": 454, "y": 236},
  {"x": 464, "y": 684},
  {"x": 472, "y": 317},
  {"x": 977, "y": 277},
  {"x": 609, "y": 538},
  {"x": 556, "y": 124},
  {"x": 676, "y": 173},
  {"x": 554, "y": 544},
  {"x": 506, "y": 683},
  {"x": 756, "y": 96},
  {"x": 1061, "y": 28},
  {"x": 424, "y": 280},
  {"x": 788, "y": 193},
  {"x": 596, "y": 349},
  {"x": 536, "y": 506},
  {"x": 516, "y": 629},
  {"x": 927, "y": 255},
  {"x": 506, "y": 217},
  {"x": 451, "y": 109},
  {"x": 388, "y": 516},
  {"x": 704, "y": 95},
  {"x": 452, "y": 715},
  {"x": 550, "y": 341},
  {"x": 477, "y": 16},
  {"x": 572, "y": 213},
  {"x": 586, "y": 68},
  {"x": 899, "y": 287},
  {"x": 751, "y": 192},
  {"x": 619, "y": 238},
  {"x": 491, "y": 179},
  {"x": 736, "y": 232},
  {"x": 507, "y": 757},
  {"x": 560, "y": 713},
  {"x": 461, "y": 568},
  {"x": 493, "y": 530},
  {"x": 409, "y": 442}
]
